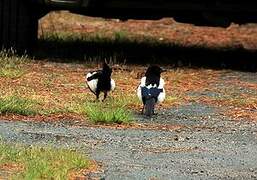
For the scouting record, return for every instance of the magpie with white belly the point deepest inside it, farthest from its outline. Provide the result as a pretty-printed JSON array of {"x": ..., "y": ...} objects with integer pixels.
[
  {"x": 151, "y": 89},
  {"x": 100, "y": 81}
]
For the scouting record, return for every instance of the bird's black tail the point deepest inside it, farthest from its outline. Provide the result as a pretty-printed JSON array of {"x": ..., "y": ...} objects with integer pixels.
[{"x": 149, "y": 107}]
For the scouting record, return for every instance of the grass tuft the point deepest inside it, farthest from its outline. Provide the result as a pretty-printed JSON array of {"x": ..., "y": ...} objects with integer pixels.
[
  {"x": 41, "y": 163},
  {"x": 112, "y": 110},
  {"x": 121, "y": 36},
  {"x": 17, "y": 105},
  {"x": 98, "y": 114},
  {"x": 11, "y": 64}
]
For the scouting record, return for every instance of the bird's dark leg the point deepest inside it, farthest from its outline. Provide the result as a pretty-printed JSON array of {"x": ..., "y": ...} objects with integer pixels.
[
  {"x": 105, "y": 95},
  {"x": 142, "y": 111},
  {"x": 154, "y": 113},
  {"x": 97, "y": 93}
]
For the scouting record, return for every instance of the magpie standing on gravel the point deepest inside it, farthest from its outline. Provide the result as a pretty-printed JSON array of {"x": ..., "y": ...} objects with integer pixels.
[
  {"x": 151, "y": 89},
  {"x": 100, "y": 81}
]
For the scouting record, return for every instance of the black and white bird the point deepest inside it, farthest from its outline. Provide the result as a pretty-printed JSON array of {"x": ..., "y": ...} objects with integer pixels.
[
  {"x": 151, "y": 89},
  {"x": 100, "y": 81}
]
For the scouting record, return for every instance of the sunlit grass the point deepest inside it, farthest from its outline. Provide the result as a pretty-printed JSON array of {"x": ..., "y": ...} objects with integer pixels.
[
  {"x": 41, "y": 163},
  {"x": 17, "y": 105},
  {"x": 11, "y": 64},
  {"x": 110, "y": 111},
  {"x": 99, "y": 114},
  {"x": 120, "y": 36}
]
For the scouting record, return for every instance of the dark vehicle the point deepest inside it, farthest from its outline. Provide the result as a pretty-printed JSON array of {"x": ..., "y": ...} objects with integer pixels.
[{"x": 19, "y": 18}]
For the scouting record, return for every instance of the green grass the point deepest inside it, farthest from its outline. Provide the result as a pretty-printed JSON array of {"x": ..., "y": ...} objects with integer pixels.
[
  {"x": 110, "y": 111},
  {"x": 99, "y": 114},
  {"x": 121, "y": 36},
  {"x": 113, "y": 110},
  {"x": 41, "y": 163},
  {"x": 11, "y": 64},
  {"x": 27, "y": 107},
  {"x": 11, "y": 73},
  {"x": 17, "y": 105}
]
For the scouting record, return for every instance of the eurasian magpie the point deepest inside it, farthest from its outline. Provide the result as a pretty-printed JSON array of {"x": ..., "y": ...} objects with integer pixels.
[
  {"x": 151, "y": 89},
  {"x": 100, "y": 81}
]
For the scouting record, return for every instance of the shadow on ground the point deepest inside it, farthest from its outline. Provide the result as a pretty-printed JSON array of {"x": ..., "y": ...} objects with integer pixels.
[{"x": 124, "y": 51}]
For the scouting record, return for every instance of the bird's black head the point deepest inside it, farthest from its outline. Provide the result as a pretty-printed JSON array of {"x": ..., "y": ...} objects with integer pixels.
[
  {"x": 106, "y": 69},
  {"x": 154, "y": 70},
  {"x": 153, "y": 75}
]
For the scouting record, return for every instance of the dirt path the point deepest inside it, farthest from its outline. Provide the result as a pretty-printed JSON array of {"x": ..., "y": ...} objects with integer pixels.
[{"x": 209, "y": 145}]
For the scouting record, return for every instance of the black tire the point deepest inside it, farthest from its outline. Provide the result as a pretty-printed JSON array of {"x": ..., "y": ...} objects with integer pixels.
[
  {"x": 18, "y": 24},
  {"x": 149, "y": 107}
]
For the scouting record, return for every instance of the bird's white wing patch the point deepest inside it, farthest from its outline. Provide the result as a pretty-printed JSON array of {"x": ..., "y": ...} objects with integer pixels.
[
  {"x": 161, "y": 84},
  {"x": 93, "y": 83},
  {"x": 162, "y": 95},
  {"x": 142, "y": 84},
  {"x": 139, "y": 94},
  {"x": 112, "y": 84}
]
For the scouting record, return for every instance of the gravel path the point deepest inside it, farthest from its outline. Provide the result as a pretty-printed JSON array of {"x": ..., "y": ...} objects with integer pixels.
[
  {"x": 202, "y": 149},
  {"x": 207, "y": 146}
]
